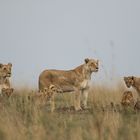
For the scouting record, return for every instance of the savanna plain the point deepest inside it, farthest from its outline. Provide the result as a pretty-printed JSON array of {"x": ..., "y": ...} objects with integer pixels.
[{"x": 23, "y": 119}]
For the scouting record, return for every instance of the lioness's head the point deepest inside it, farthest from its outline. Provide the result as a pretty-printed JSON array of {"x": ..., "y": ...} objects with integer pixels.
[
  {"x": 129, "y": 81},
  {"x": 127, "y": 98},
  {"x": 5, "y": 70},
  {"x": 92, "y": 65}
]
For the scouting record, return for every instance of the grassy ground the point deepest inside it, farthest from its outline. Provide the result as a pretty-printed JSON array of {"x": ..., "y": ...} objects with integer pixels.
[{"x": 22, "y": 119}]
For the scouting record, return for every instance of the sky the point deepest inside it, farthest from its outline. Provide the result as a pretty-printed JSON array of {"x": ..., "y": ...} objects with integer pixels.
[{"x": 59, "y": 34}]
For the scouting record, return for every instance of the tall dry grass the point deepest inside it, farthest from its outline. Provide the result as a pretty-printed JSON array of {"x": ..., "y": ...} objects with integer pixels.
[{"x": 22, "y": 119}]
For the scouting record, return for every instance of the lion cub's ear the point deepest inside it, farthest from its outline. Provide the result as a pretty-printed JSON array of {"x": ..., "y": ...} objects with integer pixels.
[
  {"x": 45, "y": 89},
  {"x": 86, "y": 60},
  {"x": 10, "y": 64}
]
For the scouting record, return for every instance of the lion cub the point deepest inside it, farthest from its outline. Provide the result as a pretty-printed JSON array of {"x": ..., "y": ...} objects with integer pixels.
[
  {"x": 134, "y": 82},
  {"x": 48, "y": 94},
  {"x": 137, "y": 106},
  {"x": 127, "y": 99},
  {"x": 7, "y": 92}
]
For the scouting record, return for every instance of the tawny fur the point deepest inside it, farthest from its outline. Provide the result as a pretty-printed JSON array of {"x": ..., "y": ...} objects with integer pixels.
[
  {"x": 75, "y": 80},
  {"x": 46, "y": 95},
  {"x": 134, "y": 82},
  {"x": 5, "y": 74},
  {"x": 7, "y": 92},
  {"x": 137, "y": 106},
  {"x": 127, "y": 99}
]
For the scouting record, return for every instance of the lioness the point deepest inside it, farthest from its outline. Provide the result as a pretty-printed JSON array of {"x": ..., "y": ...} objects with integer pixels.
[
  {"x": 75, "y": 80},
  {"x": 134, "y": 82},
  {"x": 127, "y": 99},
  {"x": 5, "y": 74}
]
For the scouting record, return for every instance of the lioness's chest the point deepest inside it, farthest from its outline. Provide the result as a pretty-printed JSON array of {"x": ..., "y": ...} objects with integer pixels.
[{"x": 84, "y": 83}]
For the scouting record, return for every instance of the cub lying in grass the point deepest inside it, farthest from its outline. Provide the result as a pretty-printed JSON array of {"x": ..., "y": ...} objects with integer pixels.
[{"x": 127, "y": 99}]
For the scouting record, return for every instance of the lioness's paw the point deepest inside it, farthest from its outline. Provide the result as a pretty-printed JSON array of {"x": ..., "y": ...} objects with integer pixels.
[
  {"x": 85, "y": 107},
  {"x": 78, "y": 108}
]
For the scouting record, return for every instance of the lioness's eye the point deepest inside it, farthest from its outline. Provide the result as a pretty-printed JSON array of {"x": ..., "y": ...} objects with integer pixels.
[{"x": 4, "y": 68}]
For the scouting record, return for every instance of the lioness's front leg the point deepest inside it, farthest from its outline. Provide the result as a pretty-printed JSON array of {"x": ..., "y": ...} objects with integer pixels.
[
  {"x": 77, "y": 100},
  {"x": 85, "y": 97}
]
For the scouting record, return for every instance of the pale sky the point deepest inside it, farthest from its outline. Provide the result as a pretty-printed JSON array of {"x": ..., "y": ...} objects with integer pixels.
[{"x": 59, "y": 34}]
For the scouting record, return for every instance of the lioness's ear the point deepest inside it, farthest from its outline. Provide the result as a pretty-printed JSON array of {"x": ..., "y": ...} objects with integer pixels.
[
  {"x": 10, "y": 64},
  {"x": 132, "y": 77},
  {"x": 86, "y": 60},
  {"x": 1, "y": 65}
]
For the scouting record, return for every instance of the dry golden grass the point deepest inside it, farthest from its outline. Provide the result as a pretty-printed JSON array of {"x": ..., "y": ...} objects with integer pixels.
[{"x": 22, "y": 119}]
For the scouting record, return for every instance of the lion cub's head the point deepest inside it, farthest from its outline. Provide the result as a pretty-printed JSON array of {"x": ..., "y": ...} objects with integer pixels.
[
  {"x": 92, "y": 65},
  {"x": 7, "y": 92},
  {"x": 127, "y": 99},
  {"x": 137, "y": 105},
  {"x": 50, "y": 91},
  {"x": 129, "y": 81},
  {"x": 5, "y": 70}
]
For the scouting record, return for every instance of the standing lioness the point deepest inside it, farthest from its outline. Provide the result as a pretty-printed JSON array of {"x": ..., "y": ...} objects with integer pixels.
[{"x": 75, "y": 80}]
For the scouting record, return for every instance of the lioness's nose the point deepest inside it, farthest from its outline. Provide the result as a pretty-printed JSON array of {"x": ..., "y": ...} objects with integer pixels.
[{"x": 97, "y": 68}]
